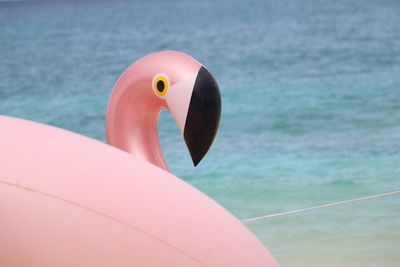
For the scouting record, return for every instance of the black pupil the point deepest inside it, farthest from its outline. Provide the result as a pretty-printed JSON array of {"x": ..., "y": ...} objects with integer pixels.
[{"x": 160, "y": 86}]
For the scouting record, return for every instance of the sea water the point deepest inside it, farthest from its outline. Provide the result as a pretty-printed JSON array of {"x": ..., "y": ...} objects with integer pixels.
[{"x": 310, "y": 105}]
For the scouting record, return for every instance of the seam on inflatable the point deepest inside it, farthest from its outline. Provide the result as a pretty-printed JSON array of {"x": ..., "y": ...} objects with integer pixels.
[{"x": 16, "y": 185}]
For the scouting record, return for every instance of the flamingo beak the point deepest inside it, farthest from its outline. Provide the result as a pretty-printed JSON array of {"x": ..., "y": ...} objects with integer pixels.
[
  {"x": 203, "y": 116},
  {"x": 195, "y": 104}
]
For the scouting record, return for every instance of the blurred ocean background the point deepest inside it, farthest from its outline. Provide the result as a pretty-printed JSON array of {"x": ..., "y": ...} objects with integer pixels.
[{"x": 310, "y": 94}]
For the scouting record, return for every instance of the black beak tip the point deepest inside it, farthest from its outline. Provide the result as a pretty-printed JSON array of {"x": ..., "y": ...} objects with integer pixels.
[
  {"x": 196, "y": 160},
  {"x": 203, "y": 116}
]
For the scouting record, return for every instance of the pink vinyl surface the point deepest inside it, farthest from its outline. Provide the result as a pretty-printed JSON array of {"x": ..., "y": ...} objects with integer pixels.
[
  {"x": 133, "y": 108},
  {"x": 68, "y": 200}
]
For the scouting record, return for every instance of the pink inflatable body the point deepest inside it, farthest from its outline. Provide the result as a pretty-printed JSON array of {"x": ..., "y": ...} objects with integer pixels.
[{"x": 68, "y": 200}]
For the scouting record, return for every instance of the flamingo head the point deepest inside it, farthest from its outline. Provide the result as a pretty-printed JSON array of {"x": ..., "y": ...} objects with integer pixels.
[{"x": 179, "y": 83}]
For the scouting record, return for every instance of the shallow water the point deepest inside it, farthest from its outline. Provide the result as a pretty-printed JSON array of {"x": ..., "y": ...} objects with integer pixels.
[{"x": 311, "y": 110}]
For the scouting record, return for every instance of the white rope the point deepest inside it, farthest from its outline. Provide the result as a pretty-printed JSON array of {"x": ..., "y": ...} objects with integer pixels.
[{"x": 264, "y": 217}]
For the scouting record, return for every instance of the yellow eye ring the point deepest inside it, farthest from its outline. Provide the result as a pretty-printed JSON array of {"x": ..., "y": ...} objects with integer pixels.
[{"x": 160, "y": 84}]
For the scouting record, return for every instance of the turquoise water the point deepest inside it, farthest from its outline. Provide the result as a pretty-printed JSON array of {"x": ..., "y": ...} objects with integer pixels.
[{"x": 311, "y": 105}]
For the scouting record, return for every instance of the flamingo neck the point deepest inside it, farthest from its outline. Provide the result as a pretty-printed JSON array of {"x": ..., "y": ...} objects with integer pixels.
[{"x": 131, "y": 120}]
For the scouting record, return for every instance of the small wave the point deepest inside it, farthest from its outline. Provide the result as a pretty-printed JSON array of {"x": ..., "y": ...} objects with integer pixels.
[{"x": 342, "y": 182}]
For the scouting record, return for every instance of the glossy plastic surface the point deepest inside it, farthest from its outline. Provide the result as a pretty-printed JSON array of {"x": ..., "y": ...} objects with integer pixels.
[{"x": 68, "y": 200}]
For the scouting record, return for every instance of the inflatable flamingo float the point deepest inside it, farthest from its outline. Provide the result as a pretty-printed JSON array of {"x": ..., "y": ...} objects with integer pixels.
[{"x": 68, "y": 200}]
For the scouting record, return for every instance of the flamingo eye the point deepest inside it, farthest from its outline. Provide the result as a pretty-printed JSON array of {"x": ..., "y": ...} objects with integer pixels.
[{"x": 160, "y": 85}]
